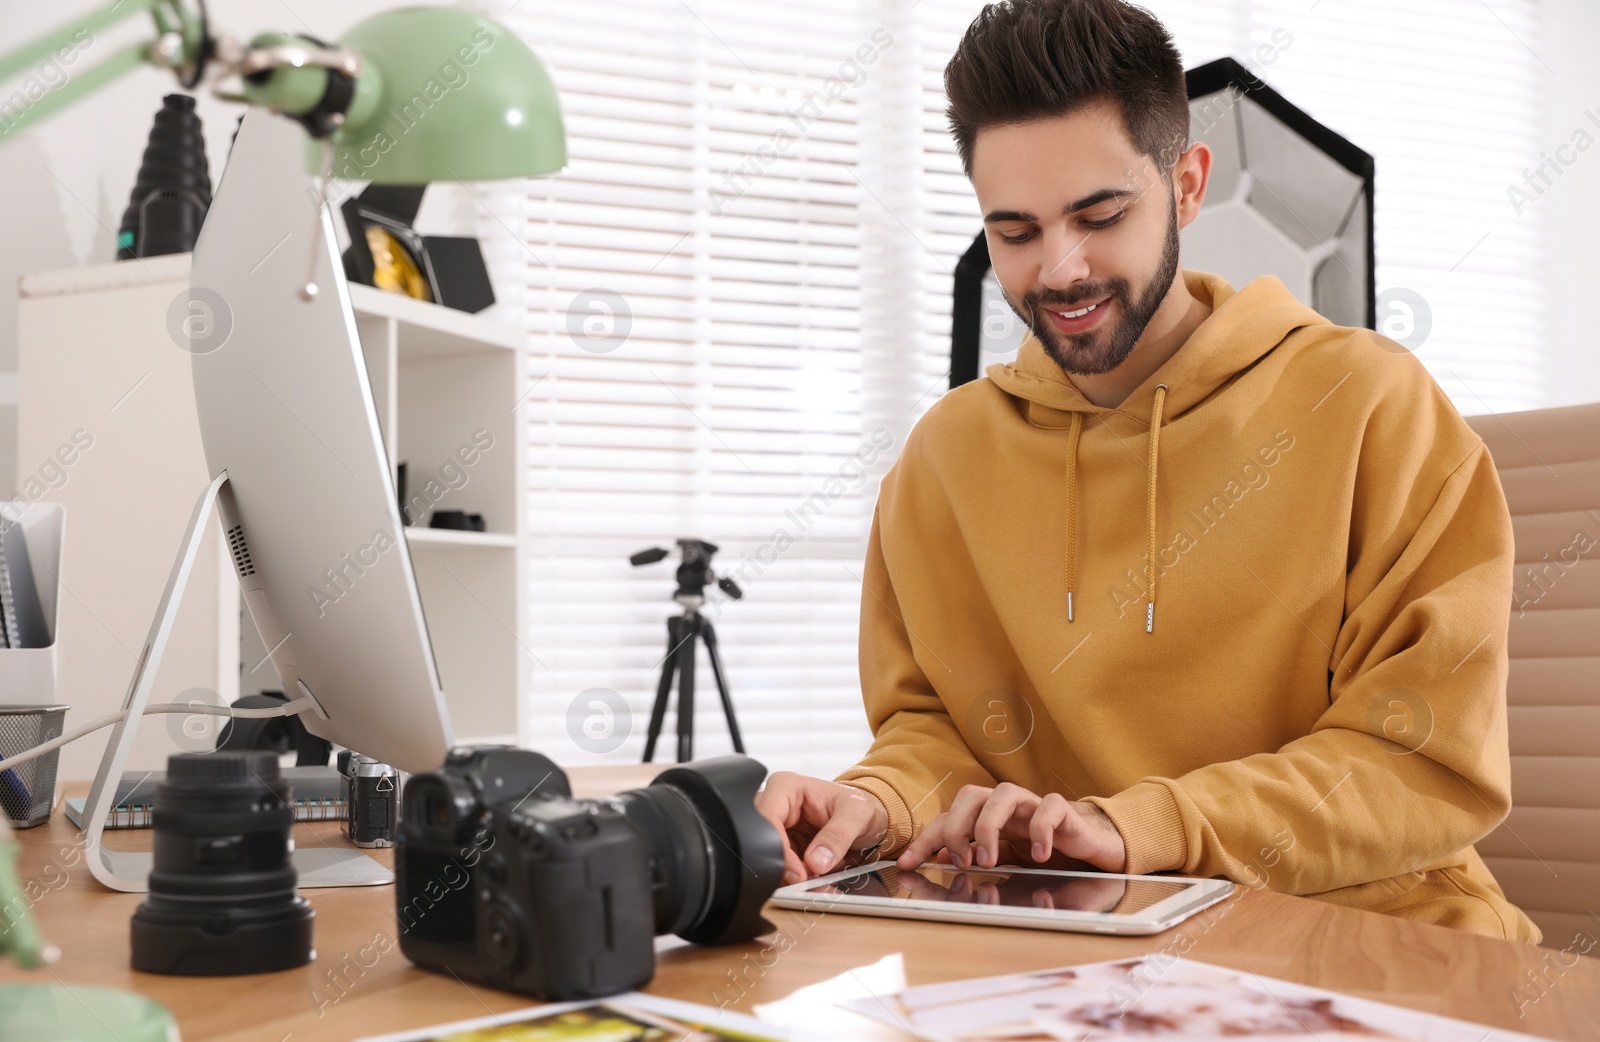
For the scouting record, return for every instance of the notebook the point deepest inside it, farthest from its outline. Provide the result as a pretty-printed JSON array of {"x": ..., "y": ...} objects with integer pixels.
[{"x": 318, "y": 796}]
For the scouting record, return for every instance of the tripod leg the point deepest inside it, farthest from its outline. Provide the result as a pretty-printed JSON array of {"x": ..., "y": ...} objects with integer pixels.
[
  {"x": 691, "y": 628},
  {"x": 663, "y": 689},
  {"x": 709, "y": 635}
]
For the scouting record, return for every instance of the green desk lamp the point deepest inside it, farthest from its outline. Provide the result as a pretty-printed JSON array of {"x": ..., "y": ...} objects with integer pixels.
[{"x": 407, "y": 96}]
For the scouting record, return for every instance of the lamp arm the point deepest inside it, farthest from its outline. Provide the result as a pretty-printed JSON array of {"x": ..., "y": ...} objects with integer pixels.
[
  {"x": 318, "y": 85},
  {"x": 179, "y": 41}
]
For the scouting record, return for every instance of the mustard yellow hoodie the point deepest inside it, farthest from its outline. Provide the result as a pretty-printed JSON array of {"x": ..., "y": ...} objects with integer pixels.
[{"x": 1288, "y": 562}]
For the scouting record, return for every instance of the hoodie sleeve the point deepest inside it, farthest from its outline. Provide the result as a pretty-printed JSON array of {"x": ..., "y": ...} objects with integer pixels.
[
  {"x": 917, "y": 749},
  {"x": 1410, "y": 762}
]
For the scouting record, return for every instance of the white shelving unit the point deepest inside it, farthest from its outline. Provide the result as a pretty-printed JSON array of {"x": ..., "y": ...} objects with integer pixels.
[
  {"x": 446, "y": 383},
  {"x": 95, "y": 354}
]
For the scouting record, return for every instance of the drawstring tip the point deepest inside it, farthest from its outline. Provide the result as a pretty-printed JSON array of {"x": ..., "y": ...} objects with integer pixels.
[
  {"x": 1069, "y": 605},
  {"x": 1150, "y": 617}
]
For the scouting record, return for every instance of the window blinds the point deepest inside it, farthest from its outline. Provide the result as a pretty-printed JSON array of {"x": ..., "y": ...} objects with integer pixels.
[{"x": 738, "y": 301}]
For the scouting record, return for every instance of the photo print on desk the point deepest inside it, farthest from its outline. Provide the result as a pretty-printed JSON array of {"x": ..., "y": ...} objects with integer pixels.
[
  {"x": 634, "y": 1017},
  {"x": 1155, "y": 997}
]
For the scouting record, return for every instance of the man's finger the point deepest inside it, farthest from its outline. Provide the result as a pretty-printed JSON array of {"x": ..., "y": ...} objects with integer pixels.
[
  {"x": 794, "y": 870},
  {"x": 850, "y": 818},
  {"x": 780, "y": 803},
  {"x": 1049, "y": 815},
  {"x": 929, "y": 841},
  {"x": 961, "y": 819},
  {"x": 1005, "y": 803}
]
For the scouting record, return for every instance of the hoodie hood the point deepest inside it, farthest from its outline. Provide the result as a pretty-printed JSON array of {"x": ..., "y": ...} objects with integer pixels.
[{"x": 1243, "y": 327}]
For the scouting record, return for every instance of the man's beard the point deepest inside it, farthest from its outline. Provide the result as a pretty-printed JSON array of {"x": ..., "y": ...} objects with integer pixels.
[{"x": 1100, "y": 349}]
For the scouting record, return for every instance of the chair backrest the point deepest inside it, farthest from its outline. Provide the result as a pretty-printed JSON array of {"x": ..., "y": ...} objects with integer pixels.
[{"x": 1546, "y": 855}]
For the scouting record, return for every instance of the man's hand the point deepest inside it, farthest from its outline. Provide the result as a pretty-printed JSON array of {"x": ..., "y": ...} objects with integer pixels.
[
  {"x": 984, "y": 827},
  {"x": 820, "y": 822}
]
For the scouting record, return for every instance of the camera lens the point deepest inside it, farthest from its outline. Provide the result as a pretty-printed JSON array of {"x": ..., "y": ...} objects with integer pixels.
[
  {"x": 714, "y": 860},
  {"x": 222, "y": 891}
]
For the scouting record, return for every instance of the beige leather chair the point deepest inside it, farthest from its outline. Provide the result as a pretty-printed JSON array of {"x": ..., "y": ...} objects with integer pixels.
[{"x": 1547, "y": 853}]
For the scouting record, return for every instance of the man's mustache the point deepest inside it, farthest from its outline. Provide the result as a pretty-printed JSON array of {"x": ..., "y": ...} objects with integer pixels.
[{"x": 1075, "y": 301}]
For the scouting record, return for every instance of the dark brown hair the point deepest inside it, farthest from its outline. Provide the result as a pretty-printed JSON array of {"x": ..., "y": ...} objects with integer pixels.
[{"x": 1022, "y": 60}]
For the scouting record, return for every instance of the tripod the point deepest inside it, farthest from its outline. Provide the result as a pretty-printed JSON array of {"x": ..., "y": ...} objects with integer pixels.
[
  {"x": 694, "y": 574},
  {"x": 682, "y": 632}
]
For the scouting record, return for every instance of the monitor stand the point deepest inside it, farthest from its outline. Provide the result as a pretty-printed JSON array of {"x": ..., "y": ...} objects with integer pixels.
[{"x": 127, "y": 870}]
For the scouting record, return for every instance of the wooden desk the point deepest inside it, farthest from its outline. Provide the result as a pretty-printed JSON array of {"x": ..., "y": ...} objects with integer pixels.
[{"x": 360, "y": 983}]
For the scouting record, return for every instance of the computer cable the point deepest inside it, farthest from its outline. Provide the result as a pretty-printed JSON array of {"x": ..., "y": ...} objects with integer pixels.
[{"x": 294, "y": 708}]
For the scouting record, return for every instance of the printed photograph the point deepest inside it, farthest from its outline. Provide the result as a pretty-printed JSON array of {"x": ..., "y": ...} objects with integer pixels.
[
  {"x": 635, "y": 1018},
  {"x": 1150, "y": 998}
]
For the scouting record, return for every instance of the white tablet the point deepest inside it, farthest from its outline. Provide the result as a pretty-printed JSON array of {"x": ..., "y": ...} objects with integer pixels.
[{"x": 1039, "y": 898}]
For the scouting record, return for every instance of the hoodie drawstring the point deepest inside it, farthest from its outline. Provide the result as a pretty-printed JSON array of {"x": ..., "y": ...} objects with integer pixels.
[
  {"x": 1074, "y": 433},
  {"x": 1155, "y": 442},
  {"x": 1072, "y": 507}
]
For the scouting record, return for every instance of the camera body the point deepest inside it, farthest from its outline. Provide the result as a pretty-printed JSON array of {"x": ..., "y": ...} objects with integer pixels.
[
  {"x": 503, "y": 878},
  {"x": 372, "y": 799}
]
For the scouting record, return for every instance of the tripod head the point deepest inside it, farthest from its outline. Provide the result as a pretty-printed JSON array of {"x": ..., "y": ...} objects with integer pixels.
[{"x": 694, "y": 574}]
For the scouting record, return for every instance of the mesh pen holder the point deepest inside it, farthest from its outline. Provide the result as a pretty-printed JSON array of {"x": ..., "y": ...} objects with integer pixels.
[{"x": 28, "y": 791}]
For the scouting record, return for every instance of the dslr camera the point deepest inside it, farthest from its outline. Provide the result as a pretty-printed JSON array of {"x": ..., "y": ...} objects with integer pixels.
[{"x": 501, "y": 877}]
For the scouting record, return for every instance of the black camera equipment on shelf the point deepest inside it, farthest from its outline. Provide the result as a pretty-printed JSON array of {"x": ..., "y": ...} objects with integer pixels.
[
  {"x": 279, "y": 734},
  {"x": 694, "y": 574}
]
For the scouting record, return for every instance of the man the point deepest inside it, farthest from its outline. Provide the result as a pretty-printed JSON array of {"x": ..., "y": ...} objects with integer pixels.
[{"x": 1201, "y": 582}]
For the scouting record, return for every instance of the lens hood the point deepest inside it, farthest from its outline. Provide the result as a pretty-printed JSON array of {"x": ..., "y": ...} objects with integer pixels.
[{"x": 746, "y": 850}]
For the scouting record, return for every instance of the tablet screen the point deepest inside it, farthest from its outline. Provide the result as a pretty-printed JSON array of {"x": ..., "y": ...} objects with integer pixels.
[{"x": 1057, "y": 891}]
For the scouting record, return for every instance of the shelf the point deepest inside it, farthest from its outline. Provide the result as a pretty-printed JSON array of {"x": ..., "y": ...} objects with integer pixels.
[
  {"x": 425, "y": 330},
  {"x": 431, "y": 330},
  {"x": 438, "y": 376},
  {"x": 97, "y": 278},
  {"x": 457, "y": 537}
]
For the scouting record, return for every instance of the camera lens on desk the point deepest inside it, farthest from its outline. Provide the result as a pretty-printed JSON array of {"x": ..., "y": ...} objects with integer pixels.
[{"x": 223, "y": 897}]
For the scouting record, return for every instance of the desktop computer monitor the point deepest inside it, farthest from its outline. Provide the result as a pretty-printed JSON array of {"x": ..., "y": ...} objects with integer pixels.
[
  {"x": 302, "y": 485},
  {"x": 309, "y": 511}
]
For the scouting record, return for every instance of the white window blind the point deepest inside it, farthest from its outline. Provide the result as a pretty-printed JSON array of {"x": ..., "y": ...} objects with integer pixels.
[
  {"x": 738, "y": 301},
  {"x": 714, "y": 233}
]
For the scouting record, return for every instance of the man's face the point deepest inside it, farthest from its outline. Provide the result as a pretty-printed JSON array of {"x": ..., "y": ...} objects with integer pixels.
[{"x": 1075, "y": 216}]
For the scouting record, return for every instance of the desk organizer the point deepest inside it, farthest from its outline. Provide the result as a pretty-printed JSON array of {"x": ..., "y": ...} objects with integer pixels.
[
  {"x": 27, "y": 791},
  {"x": 28, "y": 713}
]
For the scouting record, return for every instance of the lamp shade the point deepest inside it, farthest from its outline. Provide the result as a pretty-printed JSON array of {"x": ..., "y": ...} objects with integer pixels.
[{"x": 445, "y": 94}]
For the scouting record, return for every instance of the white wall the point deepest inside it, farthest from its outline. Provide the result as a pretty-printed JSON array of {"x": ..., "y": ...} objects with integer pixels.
[
  {"x": 1572, "y": 202},
  {"x": 65, "y": 182}
]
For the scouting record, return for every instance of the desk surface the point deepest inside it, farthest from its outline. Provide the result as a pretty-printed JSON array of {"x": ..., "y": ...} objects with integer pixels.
[{"x": 360, "y": 983}]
